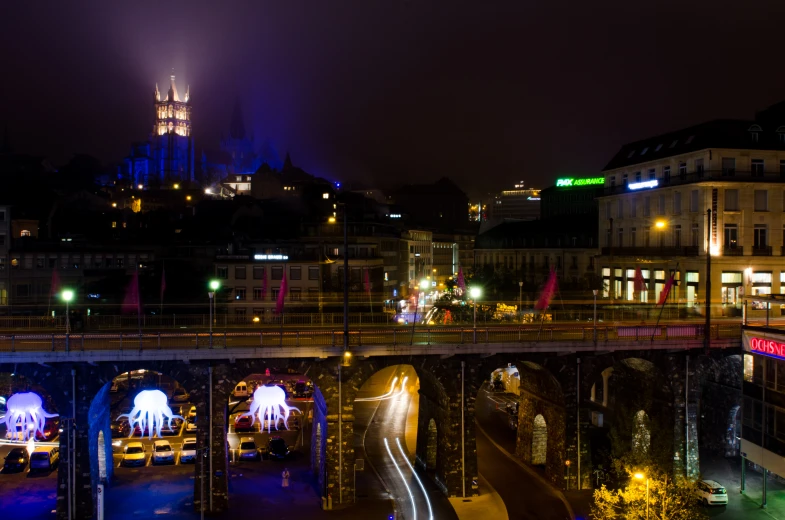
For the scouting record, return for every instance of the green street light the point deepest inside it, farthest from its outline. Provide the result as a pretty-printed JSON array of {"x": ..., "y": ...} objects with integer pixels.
[
  {"x": 67, "y": 295},
  {"x": 424, "y": 284},
  {"x": 214, "y": 285},
  {"x": 475, "y": 292}
]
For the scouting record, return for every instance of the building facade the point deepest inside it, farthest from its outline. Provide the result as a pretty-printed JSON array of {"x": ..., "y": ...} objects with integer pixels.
[
  {"x": 5, "y": 244},
  {"x": 762, "y": 414},
  {"x": 654, "y": 214},
  {"x": 518, "y": 203}
]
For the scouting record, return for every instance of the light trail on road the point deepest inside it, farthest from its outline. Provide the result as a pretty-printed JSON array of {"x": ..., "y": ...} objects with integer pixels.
[
  {"x": 419, "y": 482},
  {"x": 388, "y": 395},
  {"x": 403, "y": 479}
]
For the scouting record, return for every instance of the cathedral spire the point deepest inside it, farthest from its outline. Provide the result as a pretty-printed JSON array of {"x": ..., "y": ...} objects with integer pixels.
[
  {"x": 157, "y": 92},
  {"x": 173, "y": 90},
  {"x": 237, "y": 127}
]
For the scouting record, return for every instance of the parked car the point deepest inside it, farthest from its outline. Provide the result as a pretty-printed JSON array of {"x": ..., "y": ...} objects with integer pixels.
[
  {"x": 192, "y": 412},
  {"x": 180, "y": 395},
  {"x": 44, "y": 458},
  {"x": 277, "y": 448},
  {"x": 190, "y": 424},
  {"x": 248, "y": 449},
  {"x": 162, "y": 452},
  {"x": 134, "y": 455},
  {"x": 16, "y": 460},
  {"x": 243, "y": 423},
  {"x": 188, "y": 452},
  {"x": 241, "y": 390},
  {"x": 120, "y": 429},
  {"x": 712, "y": 493}
]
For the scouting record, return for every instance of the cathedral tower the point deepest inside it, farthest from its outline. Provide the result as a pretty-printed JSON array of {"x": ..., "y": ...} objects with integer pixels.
[{"x": 172, "y": 142}]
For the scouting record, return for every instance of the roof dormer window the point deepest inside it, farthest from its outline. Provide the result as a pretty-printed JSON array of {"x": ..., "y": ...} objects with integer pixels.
[
  {"x": 673, "y": 143},
  {"x": 781, "y": 134},
  {"x": 689, "y": 139},
  {"x": 643, "y": 152},
  {"x": 754, "y": 131},
  {"x": 659, "y": 147},
  {"x": 632, "y": 152}
]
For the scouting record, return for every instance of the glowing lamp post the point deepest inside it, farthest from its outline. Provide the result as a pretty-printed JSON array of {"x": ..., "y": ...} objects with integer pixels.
[
  {"x": 641, "y": 476},
  {"x": 67, "y": 295},
  {"x": 214, "y": 285},
  {"x": 475, "y": 293}
]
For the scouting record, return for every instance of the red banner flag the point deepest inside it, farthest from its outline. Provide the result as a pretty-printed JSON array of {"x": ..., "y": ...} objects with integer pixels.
[
  {"x": 163, "y": 282},
  {"x": 639, "y": 284},
  {"x": 548, "y": 291},
  {"x": 281, "y": 295},
  {"x": 132, "y": 303},
  {"x": 366, "y": 281},
  {"x": 665, "y": 291},
  {"x": 55, "y": 285}
]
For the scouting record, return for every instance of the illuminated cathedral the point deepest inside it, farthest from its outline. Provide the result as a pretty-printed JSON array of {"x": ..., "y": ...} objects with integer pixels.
[{"x": 167, "y": 157}]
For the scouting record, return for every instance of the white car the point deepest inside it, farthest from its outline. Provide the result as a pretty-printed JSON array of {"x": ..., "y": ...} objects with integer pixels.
[
  {"x": 188, "y": 453},
  {"x": 712, "y": 493},
  {"x": 133, "y": 454},
  {"x": 248, "y": 449},
  {"x": 162, "y": 452}
]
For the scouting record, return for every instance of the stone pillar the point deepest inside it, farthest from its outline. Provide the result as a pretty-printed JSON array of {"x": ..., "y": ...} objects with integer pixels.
[{"x": 686, "y": 459}]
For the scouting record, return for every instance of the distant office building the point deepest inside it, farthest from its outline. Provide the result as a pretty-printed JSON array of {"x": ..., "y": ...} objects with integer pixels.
[
  {"x": 572, "y": 196},
  {"x": 167, "y": 157},
  {"x": 518, "y": 203}
]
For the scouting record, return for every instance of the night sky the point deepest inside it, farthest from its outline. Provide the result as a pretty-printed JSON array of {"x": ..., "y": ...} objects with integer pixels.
[{"x": 484, "y": 92}]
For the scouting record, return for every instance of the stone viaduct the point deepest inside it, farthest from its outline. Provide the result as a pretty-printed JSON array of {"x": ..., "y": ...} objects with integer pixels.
[{"x": 601, "y": 394}]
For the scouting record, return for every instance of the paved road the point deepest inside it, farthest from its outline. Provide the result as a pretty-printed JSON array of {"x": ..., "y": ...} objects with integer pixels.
[
  {"x": 389, "y": 423},
  {"x": 525, "y": 496}
]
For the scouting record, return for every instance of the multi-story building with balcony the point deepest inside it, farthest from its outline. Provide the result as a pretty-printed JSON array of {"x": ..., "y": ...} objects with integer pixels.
[{"x": 654, "y": 213}]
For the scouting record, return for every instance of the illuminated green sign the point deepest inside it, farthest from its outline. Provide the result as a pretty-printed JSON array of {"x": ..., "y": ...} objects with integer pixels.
[{"x": 569, "y": 182}]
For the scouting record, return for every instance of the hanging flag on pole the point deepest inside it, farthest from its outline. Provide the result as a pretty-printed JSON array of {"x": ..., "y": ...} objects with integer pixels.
[
  {"x": 366, "y": 281},
  {"x": 639, "y": 284},
  {"x": 548, "y": 291},
  {"x": 132, "y": 303},
  {"x": 461, "y": 280},
  {"x": 163, "y": 286},
  {"x": 55, "y": 284},
  {"x": 281, "y": 295},
  {"x": 665, "y": 291}
]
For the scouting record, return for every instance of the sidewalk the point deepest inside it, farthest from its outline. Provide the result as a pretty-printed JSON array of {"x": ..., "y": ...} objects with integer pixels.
[{"x": 727, "y": 471}]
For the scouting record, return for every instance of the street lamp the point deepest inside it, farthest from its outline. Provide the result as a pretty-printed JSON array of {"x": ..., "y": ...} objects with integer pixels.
[
  {"x": 641, "y": 476},
  {"x": 214, "y": 285},
  {"x": 475, "y": 293},
  {"x": 67, "y": 295},
  {"x": 594, "y": 291}
]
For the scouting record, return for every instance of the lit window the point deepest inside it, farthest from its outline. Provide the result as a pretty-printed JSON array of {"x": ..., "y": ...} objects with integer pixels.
[
  {"x": 25, "y": 233},
  {"x": 325, "y": 195},
  {"x": 114, "y": 224}
]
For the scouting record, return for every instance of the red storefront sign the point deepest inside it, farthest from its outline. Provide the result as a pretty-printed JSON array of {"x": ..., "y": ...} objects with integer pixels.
[{"x": 768, "y": 347}]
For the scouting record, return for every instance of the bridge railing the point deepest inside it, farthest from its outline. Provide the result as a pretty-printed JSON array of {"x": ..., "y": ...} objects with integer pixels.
[{"x": 60, "y": 342}]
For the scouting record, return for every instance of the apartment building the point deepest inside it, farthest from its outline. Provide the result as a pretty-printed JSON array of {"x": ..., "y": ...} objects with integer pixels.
[
  {"x": 5, "y": 244},
  {"x": 654, "y": 213}
]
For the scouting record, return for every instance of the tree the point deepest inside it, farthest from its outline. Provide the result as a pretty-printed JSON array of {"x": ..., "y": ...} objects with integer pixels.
[{"x": 668, "y": 499}]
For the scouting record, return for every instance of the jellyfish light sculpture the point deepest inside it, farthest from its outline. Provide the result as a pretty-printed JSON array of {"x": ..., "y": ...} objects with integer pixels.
[
  {"x": 270, "y": 402},
  {"x": 26, "y": 409},
  {"x": 150, "y": 407}
]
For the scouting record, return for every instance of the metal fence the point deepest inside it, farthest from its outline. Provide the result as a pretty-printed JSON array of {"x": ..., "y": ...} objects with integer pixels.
[{"x": 59, "y": 342}]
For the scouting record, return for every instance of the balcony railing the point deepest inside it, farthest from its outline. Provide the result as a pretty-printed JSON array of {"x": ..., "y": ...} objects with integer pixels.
[
  {"x": 733, "y": 251},
  {"x": 708, "y": 175},
  {"x": 651, "y": 251},
  {"x": 761, "y": 251}
]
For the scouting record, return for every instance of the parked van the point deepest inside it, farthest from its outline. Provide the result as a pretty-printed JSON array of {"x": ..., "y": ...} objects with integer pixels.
[
  {"x": 241, "y": 390},
  {"x": 44, "y": 458}
]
